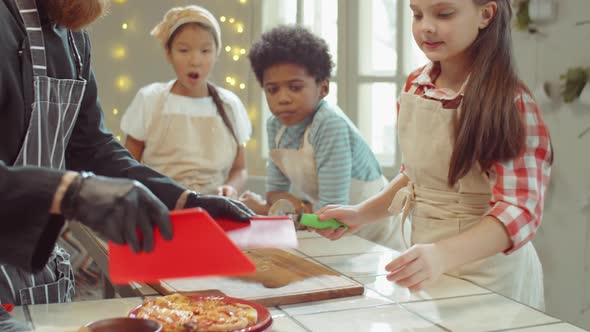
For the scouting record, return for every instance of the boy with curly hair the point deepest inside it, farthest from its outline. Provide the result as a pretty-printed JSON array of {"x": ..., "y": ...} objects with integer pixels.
[{"x": 314, "y": 148}]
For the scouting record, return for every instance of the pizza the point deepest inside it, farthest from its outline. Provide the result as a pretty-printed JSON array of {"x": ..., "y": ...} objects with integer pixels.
[{"x": 179, "y": 313}]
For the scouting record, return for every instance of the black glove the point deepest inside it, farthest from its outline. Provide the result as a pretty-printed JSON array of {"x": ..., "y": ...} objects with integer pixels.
[
  {"x": 116, "y": 208},
  {"x": 219, "y": 206}
]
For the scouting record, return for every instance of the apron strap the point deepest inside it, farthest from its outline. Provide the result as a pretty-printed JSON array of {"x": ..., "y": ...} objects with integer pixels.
[
  {"x": 30, "y": 16},
  {"x": 413, "y": 89},
  {"x": 279, "y": 136},
  {"x": 74, "y": 48}
]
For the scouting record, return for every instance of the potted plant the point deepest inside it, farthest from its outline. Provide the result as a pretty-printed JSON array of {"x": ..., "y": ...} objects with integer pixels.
[
  {"x": 573, "y": 82},
  {"x": 523, "y": 19}
]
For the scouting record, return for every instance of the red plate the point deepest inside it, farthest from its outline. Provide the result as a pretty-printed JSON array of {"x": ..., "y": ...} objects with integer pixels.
[{"x": 262, "y": 324}]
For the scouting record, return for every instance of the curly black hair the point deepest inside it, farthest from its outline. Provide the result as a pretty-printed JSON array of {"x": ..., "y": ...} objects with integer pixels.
[{"x": 291, "y": 44}]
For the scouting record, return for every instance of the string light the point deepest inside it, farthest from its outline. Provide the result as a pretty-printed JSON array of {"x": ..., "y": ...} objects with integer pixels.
[
  {"x": 120, "y": 1},
  {"x": 239, "y": 27},
  {"x": 243, "y": 1},
  {"x": 236, "y": 57},
  {"x": 124, "y": 26},
  {"x": 222, "y": 18},
  {"x": 123, "y": 83},
  {"x": 232, "y": 20},
  {"x": 119, "y": 52},
  {"x": 252, "y": 144},
  {"x": 115, "y": 111},
  {"x": 242, "y": 86},
  {"x": 230, "y": 80},
  {"x": 118, "y": 138},
  {"x": 228, "y": 48},
  {"x": 243, "y": 51},
  {"x": 253, "y": 115}
]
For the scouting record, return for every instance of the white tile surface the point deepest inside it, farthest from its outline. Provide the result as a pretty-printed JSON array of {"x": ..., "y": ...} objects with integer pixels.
[
  {"x": 369, "y": 299},
  {"x": 479, "y": 313},
  {"x": 19, "y": 314},
  {"x": 561, "y": 327},
  {"x": 285, "y": 324},
  {"x": 75, "y": 314},
  {"x": 390, "y": 318},
  {"x": 307, "y": 235},
  {"x": 57, "y": 329},
  {"x": 360, "y": 264},
  {"x": 345, "y": 246},
  {"x": 276, "y": 312},
  {"x": 446, "y": 287}
]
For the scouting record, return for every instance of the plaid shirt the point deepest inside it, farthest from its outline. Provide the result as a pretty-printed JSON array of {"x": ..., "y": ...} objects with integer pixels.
[{"x": 519, "y": 185}]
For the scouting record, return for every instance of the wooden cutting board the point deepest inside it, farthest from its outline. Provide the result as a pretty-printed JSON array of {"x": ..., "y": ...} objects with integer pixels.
[{"x": 281, "y": 278}]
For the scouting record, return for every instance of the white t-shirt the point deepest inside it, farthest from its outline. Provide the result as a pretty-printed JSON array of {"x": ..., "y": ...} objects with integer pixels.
[{"x": 138, "y": 117}]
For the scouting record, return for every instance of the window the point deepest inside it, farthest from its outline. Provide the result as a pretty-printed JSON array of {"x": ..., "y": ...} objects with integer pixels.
[{"x": 374, "y": 51}]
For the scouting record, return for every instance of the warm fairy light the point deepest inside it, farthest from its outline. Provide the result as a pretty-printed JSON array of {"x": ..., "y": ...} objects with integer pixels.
[
  {"x": 118, "y": 138},
  {"x": 230, "y": 80},
  {"x": 124, "y": 26},
  {"x": 115, "y": 111},
  {"x": 119, "y": 52},
  {"x": 228, "y": 48},
  {"x": 253, "y": 115},
  {"x": 222, "y": 18},
  {"x": 236, "y": 57},
  {"x": 232, "y": 20},
  {"x": 120, "y": 1},
  {"x": 242, "y": 86},
  {"x": 243, "y": 51},
  {"x": 252, "y": 144},
  {"x": 239, "y": 28},
  {"x": 123, "y": 83},
  {"x": 242, "y": 1}
]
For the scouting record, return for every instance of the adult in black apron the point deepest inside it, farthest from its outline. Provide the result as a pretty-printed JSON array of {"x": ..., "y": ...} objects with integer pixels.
[
  {"x": 55, "y": 108},
  {"x": 59, "y": 131}
]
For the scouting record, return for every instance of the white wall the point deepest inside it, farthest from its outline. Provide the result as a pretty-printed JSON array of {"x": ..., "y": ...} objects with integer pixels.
[{"x": 563, "y": 241}]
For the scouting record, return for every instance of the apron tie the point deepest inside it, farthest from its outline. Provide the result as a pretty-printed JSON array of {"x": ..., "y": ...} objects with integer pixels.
[{"x": 403, "y": 202}]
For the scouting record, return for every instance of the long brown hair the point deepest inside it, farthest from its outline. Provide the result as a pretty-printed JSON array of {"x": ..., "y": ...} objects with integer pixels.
[
  {"x": 75, "y": 14},
  {"x": 490, "y": 128}
]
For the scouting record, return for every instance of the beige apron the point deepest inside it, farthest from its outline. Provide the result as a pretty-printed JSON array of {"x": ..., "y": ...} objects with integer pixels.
[
  {"x": 299, "y": 166},
  {"x": 437, "y": 212},
  {"x": 198, "y": 152}
]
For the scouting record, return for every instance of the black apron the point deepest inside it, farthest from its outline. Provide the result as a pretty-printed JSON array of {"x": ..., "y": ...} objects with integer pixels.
[{"x": 54, "y": 112}]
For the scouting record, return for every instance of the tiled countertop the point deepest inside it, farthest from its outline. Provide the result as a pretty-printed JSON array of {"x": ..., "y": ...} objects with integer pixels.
[{"x": 451, "y": 305}]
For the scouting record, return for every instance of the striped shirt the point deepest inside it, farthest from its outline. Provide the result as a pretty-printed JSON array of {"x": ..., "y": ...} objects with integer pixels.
[
  {"x": 518, "y": 186},
  {"x": 336, "y": 143}
]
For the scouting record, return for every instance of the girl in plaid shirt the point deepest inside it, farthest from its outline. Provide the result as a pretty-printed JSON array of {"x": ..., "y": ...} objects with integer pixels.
[{"x": 476, "y": 157}]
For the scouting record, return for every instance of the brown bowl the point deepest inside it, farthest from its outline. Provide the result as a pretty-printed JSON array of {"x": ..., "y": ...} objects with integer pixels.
[{"x": 124, "y": 324}]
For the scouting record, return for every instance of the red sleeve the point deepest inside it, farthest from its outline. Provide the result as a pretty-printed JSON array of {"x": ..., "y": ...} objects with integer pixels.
[{"x": 519, "y": 185}]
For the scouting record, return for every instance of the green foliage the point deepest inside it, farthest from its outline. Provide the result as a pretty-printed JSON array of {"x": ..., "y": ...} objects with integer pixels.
[
  {"x": 523, "y": 19},
  {"x": 573, "y": 82}
]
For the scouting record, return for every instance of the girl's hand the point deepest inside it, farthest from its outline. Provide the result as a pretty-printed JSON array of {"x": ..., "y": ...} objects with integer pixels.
[
  {"x": 417, "y": 268},
  {"x": 227, "y": 191},
  {"x": 347, "y": 214}
]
